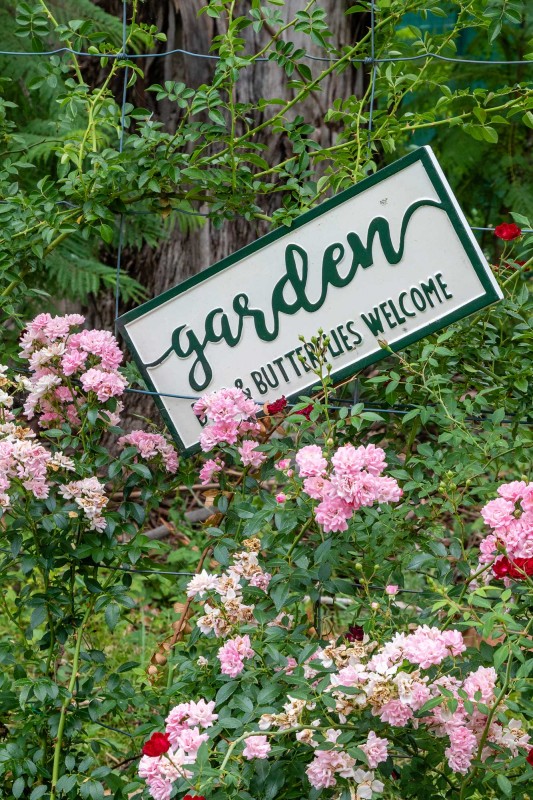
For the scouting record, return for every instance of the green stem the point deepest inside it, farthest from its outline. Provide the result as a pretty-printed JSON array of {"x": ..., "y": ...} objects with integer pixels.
[
  {"x": 302, "y": 531},
  {"x": 68, "y": 41},
  {"x": 70, "y": 689},
  {"x": 486, "y": 730},
  {"x": 66, "y": 702}
]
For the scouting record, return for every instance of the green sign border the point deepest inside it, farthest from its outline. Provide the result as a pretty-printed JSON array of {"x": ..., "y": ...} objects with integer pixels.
[{"x": 423, "y": 154}]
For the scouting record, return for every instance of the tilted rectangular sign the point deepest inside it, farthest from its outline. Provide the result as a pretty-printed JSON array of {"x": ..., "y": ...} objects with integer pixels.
[{"x": 391, "y": 258}]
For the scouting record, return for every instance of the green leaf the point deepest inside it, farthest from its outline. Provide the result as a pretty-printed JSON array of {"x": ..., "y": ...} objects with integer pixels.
[
  {"x": 226, "y": 691},
  {"x": 279, "y": 594},
  {"x": 505, "y": 785},
  {"x": 490, "y": 134},
  {"x": 107, "y": 233},
  {"x": 500, "y": 655},
  {"x": 66, "y": 783},
  {"x": 18, "y": 788},
  {"x": 38, "y": 616},
  {"x": 435, "y": 701},
  {"x": 142, "y": 470},
  {"x": 112, "y": 615}
]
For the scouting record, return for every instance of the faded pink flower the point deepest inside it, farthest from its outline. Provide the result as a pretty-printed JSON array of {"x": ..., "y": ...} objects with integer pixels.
[
  {"x": 332, "y": 513},
  {"x": 250, "y": 456},
  {"x": 256, "y": 747},
  {"x": 395, "y": 713},
  {"x": 311, "y": 462},
  {"x": 201, "y": 713},
  {"x": 151, "y": 445},
  {"x": 210, "y": 469},
  {"x": 322, "y": 771},
  {"x": 483, "y": 680},
  {"x": 201, "y": 584},
  {"x": 463, "y": 744},
  {"x": 104, "y": 384},
  {"x": 375, "y": 749},
  {"x": 232, "y": 655}
]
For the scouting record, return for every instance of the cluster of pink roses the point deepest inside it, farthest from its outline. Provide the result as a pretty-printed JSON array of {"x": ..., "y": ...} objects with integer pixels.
[
  {"x": 150, "y": 446},
  {"x": 167, "y": 756},
  {"x": 328, "y": 765},
  {"x": 57, "y": 353},
  {"x": 390, "y": 682},
  {"x": 354, "y": 479},
  {"x": 228, "y": 414},
  {"x": 25, "y": 460},
  {"x": 510, "y": 516},
  {"x": 382, "y": 681},
  {"x": 232, "y": 655}
]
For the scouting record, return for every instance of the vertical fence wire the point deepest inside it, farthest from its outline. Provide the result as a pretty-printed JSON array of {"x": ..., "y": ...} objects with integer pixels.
[
  {"x": 122, "y": 219},
  {"x": 373, "y": 73}
]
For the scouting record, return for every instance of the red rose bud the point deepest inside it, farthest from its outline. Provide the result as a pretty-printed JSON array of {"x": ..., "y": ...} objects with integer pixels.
[
  {"x": 355, "y": 633},
  {"x": 276, "y": 406},
  {"x": 194, "y": 797},
  {"x": 157, "y": 745},
  {"x": 305, "y": 412},
  {"x": 529, "y": 757},
  {"x": 507, "y": 231}
]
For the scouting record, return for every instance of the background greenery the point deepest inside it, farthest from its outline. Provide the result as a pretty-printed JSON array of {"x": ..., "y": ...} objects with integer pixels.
[{"x": 250, "y": 163}]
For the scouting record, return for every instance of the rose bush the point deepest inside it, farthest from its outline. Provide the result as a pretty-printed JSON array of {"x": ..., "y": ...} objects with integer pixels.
[
  {"x": 359, "y": 621},
  {"x": 72, "y": 515},
  {"x": 288, "y": 710}
]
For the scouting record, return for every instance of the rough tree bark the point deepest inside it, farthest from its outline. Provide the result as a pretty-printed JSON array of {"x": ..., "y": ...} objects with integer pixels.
[{"x": 185, "y": 253}]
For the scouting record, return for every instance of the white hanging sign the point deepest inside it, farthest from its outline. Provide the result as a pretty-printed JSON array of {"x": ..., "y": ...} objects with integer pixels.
[{"x": 391, "y": 258}]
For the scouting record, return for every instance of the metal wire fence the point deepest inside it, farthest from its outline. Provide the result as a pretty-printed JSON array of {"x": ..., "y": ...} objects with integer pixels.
[{"x": 371, "y": 61}]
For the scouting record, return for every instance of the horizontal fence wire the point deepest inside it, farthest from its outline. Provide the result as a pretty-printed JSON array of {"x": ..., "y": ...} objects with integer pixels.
[
  {"x": 371, "y": 61},
  {"x": 346, "y": 403},
  {"x": 264, "y": 59},
  {"x": 130, "y": 212}
]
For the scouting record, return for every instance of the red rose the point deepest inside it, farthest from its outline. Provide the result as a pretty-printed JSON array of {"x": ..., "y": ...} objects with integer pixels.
[
  {"x": 501, "y": 567},
  {"x": 276, "y": 406},
  {"x": 194, "y": 797},
  {"x": 519, "y": 566},
  {"x": 529, "y": 757},
  {"x": 305, "y": 412},
  {"x": 507, "y": 231},
  {"x": 504, "y": 568},
  {"x": 156, "y": 745}
]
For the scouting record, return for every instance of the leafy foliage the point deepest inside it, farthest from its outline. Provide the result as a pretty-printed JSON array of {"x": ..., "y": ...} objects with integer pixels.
[
  {"x": 76, "y": 701},
  {"x": 84, "y": 178}
]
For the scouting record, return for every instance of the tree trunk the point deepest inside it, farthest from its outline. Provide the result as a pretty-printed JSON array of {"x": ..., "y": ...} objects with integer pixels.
[{"x": 187, "y": 251}]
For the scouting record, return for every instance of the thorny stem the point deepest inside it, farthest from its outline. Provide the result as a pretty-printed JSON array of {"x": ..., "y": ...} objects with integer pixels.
[
  {"x": 299, "y": 537},
  {"x": 66, "y": 702}
]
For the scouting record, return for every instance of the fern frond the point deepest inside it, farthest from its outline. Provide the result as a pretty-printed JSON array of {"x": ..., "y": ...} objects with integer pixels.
[
  {"x": 66, "y": 10},
  {"x": 74, "y": 273}
]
